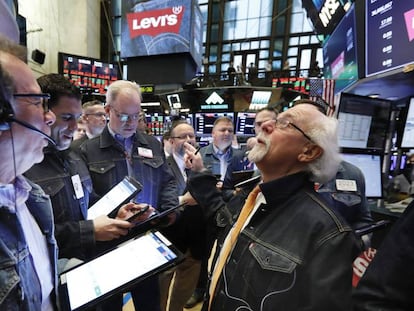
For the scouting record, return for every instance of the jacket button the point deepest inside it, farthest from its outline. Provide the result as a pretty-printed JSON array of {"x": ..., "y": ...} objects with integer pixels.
[{"x": 102, "y": 169}]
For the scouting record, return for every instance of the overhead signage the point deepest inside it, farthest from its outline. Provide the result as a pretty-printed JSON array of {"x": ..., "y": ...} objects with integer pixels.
[{"x": 389, "y": 35}]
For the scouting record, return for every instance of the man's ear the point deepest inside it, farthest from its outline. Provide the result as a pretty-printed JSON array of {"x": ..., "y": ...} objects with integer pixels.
[{"x": 310, "y": 153}]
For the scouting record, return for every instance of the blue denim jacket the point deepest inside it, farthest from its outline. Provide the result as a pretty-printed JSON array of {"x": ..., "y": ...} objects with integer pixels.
[{"x": 19, "y": 284}]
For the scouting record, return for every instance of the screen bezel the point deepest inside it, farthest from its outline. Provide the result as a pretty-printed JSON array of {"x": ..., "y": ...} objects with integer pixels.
[
  {"x": 368, "y": 101},
  {"x": 403, "y": 118},
  {"x": 63, "y": 289}
]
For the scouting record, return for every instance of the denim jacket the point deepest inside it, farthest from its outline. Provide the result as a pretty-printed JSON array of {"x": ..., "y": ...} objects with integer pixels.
[
  {"x": 107, "y": 164},
  {"x": 19, "y": 285},
  {"x": 74, "y": 234},
  {"x": 294, "y": 254}
]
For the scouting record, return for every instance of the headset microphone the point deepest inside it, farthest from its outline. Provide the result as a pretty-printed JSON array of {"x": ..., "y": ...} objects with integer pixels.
[{"x": 31, "y": 127}]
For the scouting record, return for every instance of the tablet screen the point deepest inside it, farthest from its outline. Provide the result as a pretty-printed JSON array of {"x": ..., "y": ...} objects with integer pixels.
[
  {"x": 119, "y": 194},
  {"x": 124, "y": 264}
]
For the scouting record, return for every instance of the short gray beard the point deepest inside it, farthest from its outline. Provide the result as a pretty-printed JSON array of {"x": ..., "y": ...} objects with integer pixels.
[{"x": 258, "y": 152}]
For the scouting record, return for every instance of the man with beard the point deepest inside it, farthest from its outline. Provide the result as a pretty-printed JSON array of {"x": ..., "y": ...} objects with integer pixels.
[
  {"x": 222, "y": 160},
  {"x": 286, "y": 248}
]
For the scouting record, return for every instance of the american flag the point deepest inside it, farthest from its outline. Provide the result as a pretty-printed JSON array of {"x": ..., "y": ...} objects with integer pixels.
[{"x": 323, "y": 89}]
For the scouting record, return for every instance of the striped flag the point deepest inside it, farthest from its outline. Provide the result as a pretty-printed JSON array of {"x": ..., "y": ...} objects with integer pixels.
[{"x": 323, "y": 89}]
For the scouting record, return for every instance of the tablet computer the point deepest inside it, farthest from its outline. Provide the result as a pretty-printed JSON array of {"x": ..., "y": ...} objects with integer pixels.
[
  {"x": 115, "y": 198},
  {"x": 115, "y": 271},
  {"x": 240, "y": 176}
]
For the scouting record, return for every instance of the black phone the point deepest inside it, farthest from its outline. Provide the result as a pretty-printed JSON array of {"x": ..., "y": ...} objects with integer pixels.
[{"x": 138, "y": 213}]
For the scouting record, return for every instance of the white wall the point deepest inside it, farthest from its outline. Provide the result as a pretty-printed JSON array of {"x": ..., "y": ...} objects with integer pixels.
[{"x": 69, "y": 26}]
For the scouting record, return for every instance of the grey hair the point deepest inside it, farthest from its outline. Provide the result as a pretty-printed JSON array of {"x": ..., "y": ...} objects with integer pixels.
[
  {"x": 116, "y": 87},
  {"x": 323, "y": 132}
]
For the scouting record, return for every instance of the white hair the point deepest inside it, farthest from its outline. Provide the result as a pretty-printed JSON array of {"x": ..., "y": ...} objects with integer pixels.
[
  {"x": 116, "y": 87},
  {"x": 323, "y": 132}
]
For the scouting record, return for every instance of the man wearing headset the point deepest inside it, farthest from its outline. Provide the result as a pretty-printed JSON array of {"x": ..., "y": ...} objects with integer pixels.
[{"x": 28, "y": 252}]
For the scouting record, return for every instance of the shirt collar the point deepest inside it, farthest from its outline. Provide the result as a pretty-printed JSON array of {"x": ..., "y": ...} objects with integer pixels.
[{"x": 15, "y": 194}]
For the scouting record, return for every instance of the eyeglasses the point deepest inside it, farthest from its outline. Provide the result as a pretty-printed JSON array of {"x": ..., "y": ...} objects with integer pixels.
[
  {"x": 67, "y": 117},
  {"x": 283, "y": 123},
  {"x": 124, "y": 117},
  {"x": 184, "y": 136},
  {"x": 98, "y": 114},
  {"x": 37, "y": 99}
]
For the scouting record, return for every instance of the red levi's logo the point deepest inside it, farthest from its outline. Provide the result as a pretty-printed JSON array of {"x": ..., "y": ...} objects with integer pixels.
[{"x": 155, "y": 22}]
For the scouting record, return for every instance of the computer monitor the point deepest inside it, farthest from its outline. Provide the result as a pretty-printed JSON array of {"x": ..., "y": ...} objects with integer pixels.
[
  {"x": 370, "y": 165},
  {"x": 407, "y": 138},
  {"x": 245, "y": 123},
  {"x": 204, "y": 121},
  {"x": 260, "y": 99},
  {"x": 363, "y": 122}
]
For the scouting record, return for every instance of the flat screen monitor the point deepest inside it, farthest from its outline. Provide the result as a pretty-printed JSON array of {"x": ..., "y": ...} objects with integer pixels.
[
  {"x": 363, "y": 122},
  {"x": 389, "y": 35},
  {"x": 90, "y": 75},
  {"x": 340, "y": 53},
  {"x": 245, "y": 123},
  {"x": 407, "y": 139},
  {"x": 370, "y": 165},
  {"x": 260, "y": 99},
  {"x": 204, "y": 121}
]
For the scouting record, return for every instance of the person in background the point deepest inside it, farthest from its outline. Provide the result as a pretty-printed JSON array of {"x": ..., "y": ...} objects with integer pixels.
[
  {"x": 221, "y": 159},
  {"x": 122, "y": 151},
  {"x": 80, "y": 131},
  {"x": 269, "y": 72},
  {"x": 231, "y": 73},
  {"x": 166, "y": 143},
  {"x": 94, "y": 118},
  {"x": 28, "y": 250},
  {"x": 188, "y": 233},
  {"x": 64, "y": 176},
  {"x": 142, "y": 123},
  {"x": 286, "y": 248}
]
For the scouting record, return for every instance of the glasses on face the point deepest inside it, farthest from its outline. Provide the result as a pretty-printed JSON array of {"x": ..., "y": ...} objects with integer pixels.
[
  {"x": 184, "y": 136},
  {"x": 36, "y": 99},
  {"x": 124, "y": 117},
  {"x": 97, "y": 114},
  {"x": 283, "y": 123},
  {"x": 67, "y": 117}
]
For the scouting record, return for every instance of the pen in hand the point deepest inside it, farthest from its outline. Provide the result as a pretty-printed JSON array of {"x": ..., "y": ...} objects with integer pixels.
[{"x": 197, "y": 150}]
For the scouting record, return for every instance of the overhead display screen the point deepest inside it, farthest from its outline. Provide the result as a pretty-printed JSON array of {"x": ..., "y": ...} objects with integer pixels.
[
  {"x": 389, "y": 35},
  {"x": 340, "y": 53},
  {"x": 90, "y": 75},
  {"x": 161, "y": 27}
]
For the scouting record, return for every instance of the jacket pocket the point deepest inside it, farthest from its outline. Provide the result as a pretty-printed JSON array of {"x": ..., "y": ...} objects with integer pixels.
[
  {"x": 269, "y": 259},
  {"x": 155, "y": 162},
  {"x": 102, "y": 167},
  {"x": 52, "y": 186},
  {"x": 349, "y": 199}
]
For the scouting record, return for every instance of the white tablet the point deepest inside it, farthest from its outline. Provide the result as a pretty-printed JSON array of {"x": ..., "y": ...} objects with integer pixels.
[
  {"x": 112, "y": 200},
  {"x": 116, "y": 270}
]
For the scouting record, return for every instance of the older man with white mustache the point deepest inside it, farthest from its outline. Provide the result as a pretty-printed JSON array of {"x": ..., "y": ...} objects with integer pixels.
[{"x": 286, "y": 247}]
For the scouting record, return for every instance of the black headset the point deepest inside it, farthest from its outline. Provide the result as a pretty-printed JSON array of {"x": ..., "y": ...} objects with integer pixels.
[{"x": 6, "y": 110}]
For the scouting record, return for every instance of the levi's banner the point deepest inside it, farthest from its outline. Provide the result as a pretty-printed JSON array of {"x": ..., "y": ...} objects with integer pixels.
[
  {"x": 161, "y": 27},
  {"x": 155, "y": 22}
]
